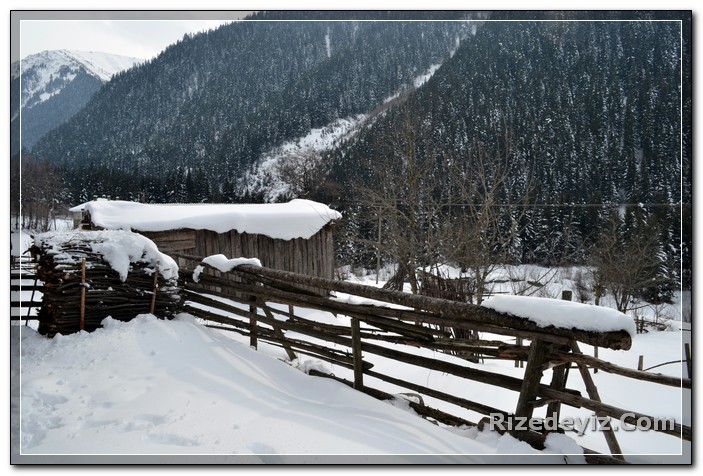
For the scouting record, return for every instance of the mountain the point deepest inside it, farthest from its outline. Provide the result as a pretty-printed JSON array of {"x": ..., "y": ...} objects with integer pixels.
[
  {"x": 54, "y": 86},
  {"x": 212, "y": 104},
  {"x": 591, "y": 117}
]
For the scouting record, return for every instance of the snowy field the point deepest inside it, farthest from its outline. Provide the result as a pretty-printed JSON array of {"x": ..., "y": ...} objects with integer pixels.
[{"x": 194, "y": 394}]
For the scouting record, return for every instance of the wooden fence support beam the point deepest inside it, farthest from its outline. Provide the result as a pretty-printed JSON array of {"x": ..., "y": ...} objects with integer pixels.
[
  {"x": 81, "y": 324},
  {"x": 356, "y": 352},
  {"x": 689, "y": 363},
  {"x": 592, "y": 390},
  {"x": 588, "y": 361},
  {"x": 560, "y": 375},
  {"x": 277, "y": 330},
  {"x": 531, "y": 380},
  {"x": 252, "y": 322},
  {"x": 154, "y": 290}
]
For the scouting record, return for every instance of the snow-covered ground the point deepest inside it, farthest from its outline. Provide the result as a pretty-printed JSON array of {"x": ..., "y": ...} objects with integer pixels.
[{"x": 181, "y": 390}]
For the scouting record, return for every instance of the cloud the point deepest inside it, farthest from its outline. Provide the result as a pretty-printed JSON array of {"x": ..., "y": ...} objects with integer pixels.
[{"x": 136, "y": 37}]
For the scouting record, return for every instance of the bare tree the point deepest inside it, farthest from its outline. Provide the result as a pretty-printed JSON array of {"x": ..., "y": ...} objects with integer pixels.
[
  {"x": 403, "y": 202},
  {"x": 303, "y": 171},
  {"x": 624, "y": 263},
  {"x": 485, "y": 211},
  {"x": 41, "y": 193},
  {"x": 15, "y": 209}
]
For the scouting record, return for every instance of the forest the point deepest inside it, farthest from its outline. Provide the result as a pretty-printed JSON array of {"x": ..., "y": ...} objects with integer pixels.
[{"x": 549, "y": 142}]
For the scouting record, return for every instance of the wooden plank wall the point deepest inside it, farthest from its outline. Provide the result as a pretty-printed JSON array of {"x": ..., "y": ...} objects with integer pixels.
[{"x": 312, "y": 257}]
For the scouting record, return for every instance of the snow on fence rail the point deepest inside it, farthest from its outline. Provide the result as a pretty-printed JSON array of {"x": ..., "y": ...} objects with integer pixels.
[{"x": 379, "y": 317}]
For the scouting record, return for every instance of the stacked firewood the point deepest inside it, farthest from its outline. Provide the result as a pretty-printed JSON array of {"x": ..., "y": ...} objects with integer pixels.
[{"x": 81, "y": 289}]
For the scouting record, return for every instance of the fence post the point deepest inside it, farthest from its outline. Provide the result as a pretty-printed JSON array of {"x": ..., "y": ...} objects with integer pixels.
[
  {"x": 518, "y": 341},
  {"x": 356, "y": 352},
  {"x": 687, "y": 350},
  {"x": 560, "y": 375},
  {"x": 531, "y": 380},
  {"x": 154, "y": 290},
  {"x": 82, "y": 321},
  {"x": 252, "y": 317}
]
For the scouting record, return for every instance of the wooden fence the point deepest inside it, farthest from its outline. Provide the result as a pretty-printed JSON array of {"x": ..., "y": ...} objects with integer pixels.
[
  {"x": 25, "y": 290},
  {"x": 261, "y": 304}
]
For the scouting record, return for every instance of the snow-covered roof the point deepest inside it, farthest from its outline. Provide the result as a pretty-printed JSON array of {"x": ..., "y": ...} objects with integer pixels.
[
  {"x": 295, "y": 219},
  {"x": 562, "y": 314}
]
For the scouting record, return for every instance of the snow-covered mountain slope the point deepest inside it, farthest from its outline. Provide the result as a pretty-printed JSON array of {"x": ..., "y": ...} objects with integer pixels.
[
  {"x": 267, "y": 177},
  {"x": 54, "y": 86},
  {"x": 45, "y": 74}
]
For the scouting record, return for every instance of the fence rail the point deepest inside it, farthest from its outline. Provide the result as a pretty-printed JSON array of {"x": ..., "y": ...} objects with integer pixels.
[
  {"x": 261, "y": 304},
  {"x": 23, "y": 279}
]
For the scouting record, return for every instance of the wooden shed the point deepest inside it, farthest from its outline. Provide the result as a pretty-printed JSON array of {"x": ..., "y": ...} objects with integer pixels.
[{"x": 294, "y": 236}]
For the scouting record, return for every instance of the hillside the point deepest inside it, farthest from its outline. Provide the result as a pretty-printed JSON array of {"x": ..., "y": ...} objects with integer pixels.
[
  {"x": 583, "y": 118},
  {"x": 210, "y": 105},
  {"x": 54, "y": 86},
  {"x": 581, "y": 130}
]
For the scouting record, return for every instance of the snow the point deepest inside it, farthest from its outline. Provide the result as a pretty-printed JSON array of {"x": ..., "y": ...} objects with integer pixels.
[
  {"x": 47, "y": 67},
  {"x": 151, "y": 386},
  {"x": 562, "y": 314},
  {"x": 104, "y": 65},
  {"x": 222, "y": 263},
  {"x": 264, "y": 176},
  {"x": 295, "y": 219},
  {"x": 119, "y": 248},
  {"x": 174, "y": 388}
]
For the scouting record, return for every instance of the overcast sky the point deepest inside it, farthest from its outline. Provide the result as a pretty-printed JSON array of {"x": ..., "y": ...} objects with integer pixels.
[
  {"x": 145, "y": 33},
  {"x": 134, "y": 34}
]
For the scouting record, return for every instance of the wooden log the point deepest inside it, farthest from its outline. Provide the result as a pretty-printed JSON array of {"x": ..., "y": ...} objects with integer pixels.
[
  {"x": 616, "y": 369},
  {"x": 252, "y": 321},
  {"x": 416, "y": 317},
  {"x": 154, "y": 290},
  {"x": 462, "y": 402},
  {"x": 356, "y": 352},
  {"x": 364, "y": 313},
  {"x": 680, "y": 431},
  {"x": 276, "y": 328},
  {"x": 420, "y": 409},
  {"x": 25, "y": 304},
  {"x": 24, "y": 318},
  {"x": 531, "y": 381},
  {"x": 592, "y": 390},
  {"x": 82, "y": 321},
  {"x": 560, "y": 375},
  {"x": 613, "y": 340}
]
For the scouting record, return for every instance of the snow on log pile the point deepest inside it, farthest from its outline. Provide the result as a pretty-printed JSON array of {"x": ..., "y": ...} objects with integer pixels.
[{"x": 90, "y": 275}]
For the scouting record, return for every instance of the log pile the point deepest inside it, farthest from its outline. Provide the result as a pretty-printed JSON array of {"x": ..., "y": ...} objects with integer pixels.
[{"x": 81, "y": 289}]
